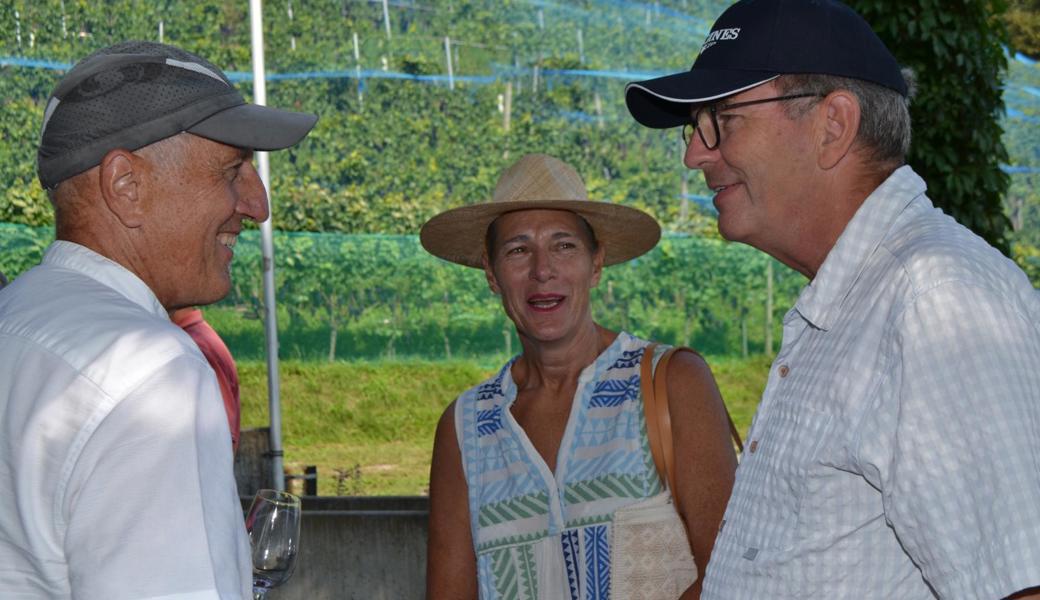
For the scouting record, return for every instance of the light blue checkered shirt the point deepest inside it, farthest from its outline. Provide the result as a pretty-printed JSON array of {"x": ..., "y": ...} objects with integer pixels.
[{"x": 896, "y": 450}]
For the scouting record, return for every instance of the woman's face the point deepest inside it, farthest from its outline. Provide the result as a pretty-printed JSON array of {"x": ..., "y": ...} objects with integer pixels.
[{"x": 543, "y": 264}]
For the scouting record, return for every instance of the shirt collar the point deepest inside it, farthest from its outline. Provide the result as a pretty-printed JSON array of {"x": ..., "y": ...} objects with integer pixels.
[
  {"x": 822, "y": 298},
  {"x": 81, "y": 259},
  {"x": 186, "y": 318},
  {"x": 592, "y": 371}
]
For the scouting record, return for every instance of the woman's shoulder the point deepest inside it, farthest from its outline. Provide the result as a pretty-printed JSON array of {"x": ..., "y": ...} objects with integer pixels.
[
  {"x": 488, "y": 389},
  {"x": 694, "y": 364},
  {"x": 636, "y": 346},
  {"x": 631, "y": 341}
]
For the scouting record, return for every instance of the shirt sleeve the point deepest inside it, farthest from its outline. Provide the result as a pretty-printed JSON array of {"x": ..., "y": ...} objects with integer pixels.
[
  {"x": 958, "y": 459},
  {"x": 151, "y": 508}
]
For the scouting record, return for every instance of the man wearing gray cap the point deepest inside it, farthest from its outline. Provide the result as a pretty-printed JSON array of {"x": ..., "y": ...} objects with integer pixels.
[
  {"x": 115, "y": 456},
  {"x": 894, "y": 452}
]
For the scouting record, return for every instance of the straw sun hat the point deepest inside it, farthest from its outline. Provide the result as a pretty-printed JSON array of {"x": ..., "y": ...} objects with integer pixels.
[{"x": 539, "y": 181}]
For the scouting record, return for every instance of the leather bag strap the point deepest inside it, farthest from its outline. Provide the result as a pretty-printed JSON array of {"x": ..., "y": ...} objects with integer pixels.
[
  {"x": 658, "y": 417},
  {"x": 653, "y": 432},
  {"x": 663, "y": 416}
]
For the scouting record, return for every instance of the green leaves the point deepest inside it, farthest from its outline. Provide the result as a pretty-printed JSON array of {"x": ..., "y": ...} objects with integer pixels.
[
  {"x": 406, "y": 149},
  {"x": 955, "y": 48},
  {"x": 1023, "y": 23},
  {"x": 388, "y": 153}
]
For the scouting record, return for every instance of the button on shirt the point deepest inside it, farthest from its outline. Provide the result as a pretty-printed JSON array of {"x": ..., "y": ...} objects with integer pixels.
[
  {"x": 116, "y": 474},
  {"x": 895, "y": 445}
]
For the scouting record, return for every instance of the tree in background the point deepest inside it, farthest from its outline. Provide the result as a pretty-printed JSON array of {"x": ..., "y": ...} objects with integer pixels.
[
  {"x": 1023, "y": 23},
  {"x": 957, "y": 50}
]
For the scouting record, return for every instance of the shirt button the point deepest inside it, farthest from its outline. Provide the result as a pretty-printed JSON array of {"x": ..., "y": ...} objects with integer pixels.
[
  {"x": 753, "y": 446},
  {"x": 784, "y": 370}
]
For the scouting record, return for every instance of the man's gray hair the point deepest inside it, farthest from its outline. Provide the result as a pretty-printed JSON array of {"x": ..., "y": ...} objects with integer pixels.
[
  {"x": 168, "y": 152},
  {"x": 884, "y": 126}
]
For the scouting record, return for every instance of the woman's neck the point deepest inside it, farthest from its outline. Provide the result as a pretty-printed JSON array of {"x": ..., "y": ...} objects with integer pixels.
[{"x": 557, "y": 365}]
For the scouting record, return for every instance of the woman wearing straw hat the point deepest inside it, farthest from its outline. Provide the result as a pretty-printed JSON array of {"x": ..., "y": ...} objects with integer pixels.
[{"x": 530, "y": 466}]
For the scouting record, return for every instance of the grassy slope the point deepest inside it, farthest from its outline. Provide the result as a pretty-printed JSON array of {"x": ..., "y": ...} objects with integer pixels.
[{"x": 380, "y": 417}]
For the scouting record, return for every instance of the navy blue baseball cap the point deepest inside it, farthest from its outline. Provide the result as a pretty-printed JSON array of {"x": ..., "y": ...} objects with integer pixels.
[{"x": 756, "y": 41}]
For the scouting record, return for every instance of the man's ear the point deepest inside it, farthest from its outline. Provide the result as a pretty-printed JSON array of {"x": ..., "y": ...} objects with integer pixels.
[
  {"x": 841, "y": 114},
  {"x": 489, "y": 274},
  {"x": 121, "y": 179}
]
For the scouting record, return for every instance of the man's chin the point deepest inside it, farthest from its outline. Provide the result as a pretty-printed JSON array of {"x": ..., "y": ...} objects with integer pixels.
[
  {"x": 212, "y": 294},
  {"x": 729, "y": 232}
]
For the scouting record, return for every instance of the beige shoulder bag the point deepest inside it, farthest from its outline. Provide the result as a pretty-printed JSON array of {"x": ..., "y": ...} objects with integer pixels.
[{"x": 650, "y": 554}]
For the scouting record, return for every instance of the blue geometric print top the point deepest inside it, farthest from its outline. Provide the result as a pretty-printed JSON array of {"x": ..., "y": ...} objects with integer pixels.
[{"x": 541, "y": 535}]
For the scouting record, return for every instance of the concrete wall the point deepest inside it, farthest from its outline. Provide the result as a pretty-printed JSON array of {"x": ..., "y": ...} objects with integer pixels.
[{"x": 364, "y": 548}]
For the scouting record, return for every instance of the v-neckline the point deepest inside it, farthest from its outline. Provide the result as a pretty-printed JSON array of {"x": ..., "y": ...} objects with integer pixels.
[{"x": 553, "y": 478}]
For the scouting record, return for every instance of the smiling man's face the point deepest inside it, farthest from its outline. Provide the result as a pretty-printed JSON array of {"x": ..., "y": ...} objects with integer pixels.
[
  {"x": 204, "y": 193},
  {"x": 760, "y": 169}
]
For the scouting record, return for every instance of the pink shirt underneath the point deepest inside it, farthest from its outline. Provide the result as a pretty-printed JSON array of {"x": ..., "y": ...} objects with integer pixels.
[{"x": 219, "y": 357}]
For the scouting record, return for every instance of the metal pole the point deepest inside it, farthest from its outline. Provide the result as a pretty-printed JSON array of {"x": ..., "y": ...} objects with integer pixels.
[
  {"x": 357, "y": 70},
  {"x": 386, "y": 18},
  {"x": 507, "y": 111},
  {"x": 292, "y": 38},
  {"x": 267, "y": 251},
  {"x": 447, "y": 56},
  {"x": 684, "y": 203}
]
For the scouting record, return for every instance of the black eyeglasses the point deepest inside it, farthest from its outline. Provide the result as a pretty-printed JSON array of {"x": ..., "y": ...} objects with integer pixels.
[{"x": 706, "y": 121}]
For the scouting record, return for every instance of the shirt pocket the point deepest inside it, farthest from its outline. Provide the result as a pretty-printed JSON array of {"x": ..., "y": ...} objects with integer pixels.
[{"x": 771, "y": 482}]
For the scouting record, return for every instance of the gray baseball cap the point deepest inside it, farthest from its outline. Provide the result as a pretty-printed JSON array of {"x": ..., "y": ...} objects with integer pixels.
[{"x": 136, "y": 93}]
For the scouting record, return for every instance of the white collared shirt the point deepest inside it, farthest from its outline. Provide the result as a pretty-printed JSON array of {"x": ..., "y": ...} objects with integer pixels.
[
  {"x": 116, "y": 476},
  {"x": 896, "y": 450}
]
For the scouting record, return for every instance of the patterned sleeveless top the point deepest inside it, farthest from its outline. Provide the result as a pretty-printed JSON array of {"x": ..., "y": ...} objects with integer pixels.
[{"x": 540, "y": 535}]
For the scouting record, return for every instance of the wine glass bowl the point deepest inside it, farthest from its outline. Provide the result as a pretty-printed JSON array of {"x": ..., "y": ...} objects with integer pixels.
[{"x": 273, "y": 524}]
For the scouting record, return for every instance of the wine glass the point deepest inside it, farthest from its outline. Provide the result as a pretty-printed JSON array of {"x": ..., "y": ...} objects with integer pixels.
[{"x": 273, "y": 524}]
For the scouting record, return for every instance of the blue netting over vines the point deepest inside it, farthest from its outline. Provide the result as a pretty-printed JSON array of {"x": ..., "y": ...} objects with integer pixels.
[{"x": 421, "y": 106}]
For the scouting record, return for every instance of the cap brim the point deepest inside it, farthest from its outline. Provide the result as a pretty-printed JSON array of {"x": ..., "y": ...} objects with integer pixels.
[
  {"x": 457, "y": 235},
  {"x": 665, "y": 101},
  {"x": 255, "y": 127}
]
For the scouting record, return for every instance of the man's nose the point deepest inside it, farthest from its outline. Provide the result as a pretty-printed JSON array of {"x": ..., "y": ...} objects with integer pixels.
[
  {"x": 252, "y": 201},
  {"x": 698, "y": 155}
]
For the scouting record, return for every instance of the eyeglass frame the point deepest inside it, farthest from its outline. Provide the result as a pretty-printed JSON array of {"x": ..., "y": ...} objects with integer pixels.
[{"x": 713, "y": 110}]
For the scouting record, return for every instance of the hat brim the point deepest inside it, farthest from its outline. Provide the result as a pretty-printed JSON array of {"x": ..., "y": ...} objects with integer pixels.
[
  {"x": 665, "y": 101},
  {"x": 458, "y": 235},
  {"x": 255, "y": 127}
]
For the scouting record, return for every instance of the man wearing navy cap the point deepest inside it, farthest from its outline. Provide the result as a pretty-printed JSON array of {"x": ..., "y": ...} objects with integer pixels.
[
  {"x": 894, "y": 452},
  {"x": 116, "y": 478}
]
